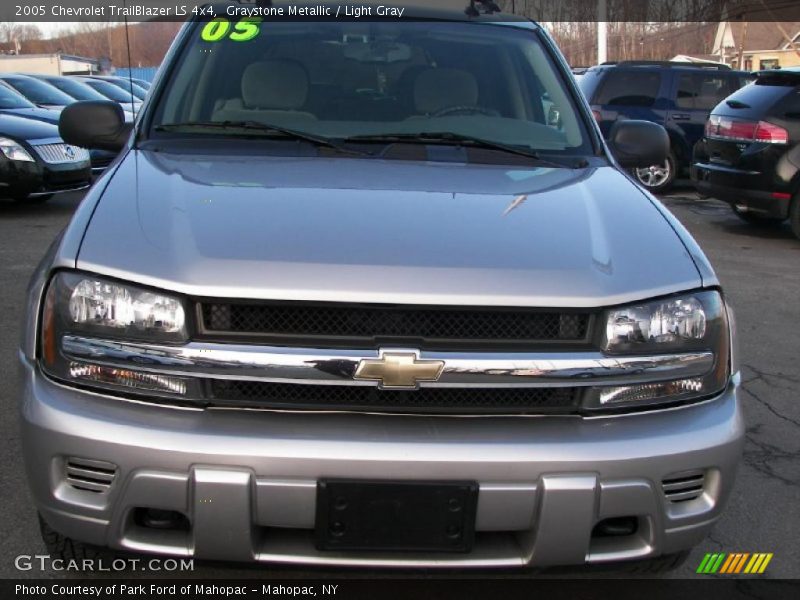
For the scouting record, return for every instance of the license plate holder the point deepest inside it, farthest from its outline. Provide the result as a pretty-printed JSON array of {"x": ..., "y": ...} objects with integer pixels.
[{"x": 430, "y": 516}]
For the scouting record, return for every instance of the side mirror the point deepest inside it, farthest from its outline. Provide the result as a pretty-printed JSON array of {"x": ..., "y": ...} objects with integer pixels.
[
  {"x": 96, "y": 125},
  {"x": 638, "y": 144}
]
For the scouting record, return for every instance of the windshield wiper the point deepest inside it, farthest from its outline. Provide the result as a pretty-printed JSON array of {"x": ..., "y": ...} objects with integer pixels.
[
  {"x": 263, "y": 129},
  {"x": 458, "y": 139}
]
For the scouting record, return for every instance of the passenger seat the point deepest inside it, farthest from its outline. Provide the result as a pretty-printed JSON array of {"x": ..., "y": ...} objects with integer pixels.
[{"x": 273, "y": 91}]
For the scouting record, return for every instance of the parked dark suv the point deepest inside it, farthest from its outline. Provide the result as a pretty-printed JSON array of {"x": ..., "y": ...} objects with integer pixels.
[
  {"x": 678, "y": 96},
  {"x": 750, "y": 154}
]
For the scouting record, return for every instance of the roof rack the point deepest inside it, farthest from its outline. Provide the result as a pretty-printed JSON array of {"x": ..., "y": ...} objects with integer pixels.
[{"x": 667, "y": 63}]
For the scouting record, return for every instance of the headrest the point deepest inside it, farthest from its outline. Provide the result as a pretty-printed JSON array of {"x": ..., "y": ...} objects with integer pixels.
[{"x": 276, "y": 84}]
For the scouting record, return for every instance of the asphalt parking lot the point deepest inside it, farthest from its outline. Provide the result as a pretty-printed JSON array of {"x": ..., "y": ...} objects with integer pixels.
[{"x": 758, "y": 268}]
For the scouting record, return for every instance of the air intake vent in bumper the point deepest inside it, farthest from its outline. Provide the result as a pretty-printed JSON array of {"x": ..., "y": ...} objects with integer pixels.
[
  {"x": 90, "y": 475},
  {"x": 683, "y": 487}
]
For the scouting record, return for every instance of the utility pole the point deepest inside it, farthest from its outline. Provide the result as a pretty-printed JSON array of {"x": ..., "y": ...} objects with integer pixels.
[{"x": 602, "y": 32}]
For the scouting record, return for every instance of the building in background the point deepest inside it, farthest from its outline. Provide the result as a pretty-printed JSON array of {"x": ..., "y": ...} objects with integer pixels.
[
  {"x": 145, "y": 73},
  {"x": 50, "y": 64},
  {"x": 756, "y": 45},
  {"x": 700, "y": 59}
]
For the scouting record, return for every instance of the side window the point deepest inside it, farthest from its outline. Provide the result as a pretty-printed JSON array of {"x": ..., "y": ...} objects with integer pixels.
[
  {"x": 792, "y": 106},
  {"x": 701, "y": 92},
  {"x": 629, "y": 88},
  {"x": 688, "y": 91}
]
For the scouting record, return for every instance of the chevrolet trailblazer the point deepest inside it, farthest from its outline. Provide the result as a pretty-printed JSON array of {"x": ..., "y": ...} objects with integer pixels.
[{"x": 375, "y": 293}]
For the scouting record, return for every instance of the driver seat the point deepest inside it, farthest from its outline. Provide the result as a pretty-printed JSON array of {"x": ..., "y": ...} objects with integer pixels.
[{"x": 435, "y": 89}]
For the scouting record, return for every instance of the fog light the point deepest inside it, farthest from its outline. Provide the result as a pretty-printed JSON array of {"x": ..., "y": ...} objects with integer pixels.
[
  {"x": 154, "y": 518},
  {"x": 616, "y": 527},
  {"x": 126, "y": 378},
  {"x": 649, "y": 391}
]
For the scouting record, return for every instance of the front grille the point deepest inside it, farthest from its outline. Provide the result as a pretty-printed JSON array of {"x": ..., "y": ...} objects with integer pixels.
[
  {"x": 60, "y": 153},
  {"x": 683, "y": 487},
  {"x": 290, "y": 396},
  {"x": 367, "y": 325},
  {"x": 90, "y": 475}
]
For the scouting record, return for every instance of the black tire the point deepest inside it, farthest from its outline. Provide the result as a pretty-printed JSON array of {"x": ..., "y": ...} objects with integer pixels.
[
  {"x": 655, "y": 184},
  {"x": 794, "y": 216},
  {"x": 33, "y": 199},
  {"x": 60, "y": 546},
  {"x": 755, "y": 218}
]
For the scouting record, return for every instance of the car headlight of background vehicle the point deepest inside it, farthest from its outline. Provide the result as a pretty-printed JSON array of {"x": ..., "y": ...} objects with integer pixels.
[
  {"x": 682, "y": 325},
  {"x": 13, "y": 151},
  {"x": 87, "y": 307}
]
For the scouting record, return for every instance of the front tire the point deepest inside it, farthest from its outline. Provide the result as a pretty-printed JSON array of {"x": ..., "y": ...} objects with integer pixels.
[
  {"x": 658, "y": 179},
  {"x": 67, "y": 549}
]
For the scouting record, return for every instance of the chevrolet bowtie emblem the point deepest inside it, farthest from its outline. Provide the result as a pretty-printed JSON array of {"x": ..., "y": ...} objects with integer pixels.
[{"x": 399, "y": 370}]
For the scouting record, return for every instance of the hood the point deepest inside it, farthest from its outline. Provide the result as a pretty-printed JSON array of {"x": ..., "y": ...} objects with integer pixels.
[
  {"x": 39, "y": 114},
  {"x": 367, "y": 230},
  {"x": 22, "y": 128}
]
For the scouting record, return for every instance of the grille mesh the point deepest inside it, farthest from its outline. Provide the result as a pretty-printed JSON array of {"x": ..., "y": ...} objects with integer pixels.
[
  {"x": 57, "y": 153},
  {"x": 365, "y": 323},
  {"x": 368, "y": 398}
]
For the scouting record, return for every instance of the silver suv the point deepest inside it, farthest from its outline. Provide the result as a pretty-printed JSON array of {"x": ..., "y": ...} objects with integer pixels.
[{"x": 377, "y": 293}]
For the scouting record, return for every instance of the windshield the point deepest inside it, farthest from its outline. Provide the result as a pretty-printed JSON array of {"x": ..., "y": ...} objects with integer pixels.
[
  {"x": 344, "y": 80},
  {"x": 109, "y": 90},
  {"x": 11, "y": 99},
  {"x": 76, "y": 89},
  {"x": 39, "y": 91}
]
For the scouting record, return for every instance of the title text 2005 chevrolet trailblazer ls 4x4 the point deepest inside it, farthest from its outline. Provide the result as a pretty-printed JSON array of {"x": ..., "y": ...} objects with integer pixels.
[{"x": 375, "y": 293}]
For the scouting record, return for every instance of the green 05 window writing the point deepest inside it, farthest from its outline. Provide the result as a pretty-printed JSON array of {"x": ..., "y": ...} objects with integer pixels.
[{"x": 219, "y": 29}]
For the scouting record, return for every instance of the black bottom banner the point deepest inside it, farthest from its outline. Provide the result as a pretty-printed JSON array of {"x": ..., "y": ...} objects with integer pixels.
[{"x": 434, "y": 588}]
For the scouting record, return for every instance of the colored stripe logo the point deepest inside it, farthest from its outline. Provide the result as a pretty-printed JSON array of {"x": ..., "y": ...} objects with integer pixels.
[{"x": 734, "y": 563}]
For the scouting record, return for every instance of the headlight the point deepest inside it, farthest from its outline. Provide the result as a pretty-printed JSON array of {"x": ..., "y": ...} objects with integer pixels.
[
  {"x": 13, "y": 151},
  {"x": 82, "y": 305},
  {"x": 685, "y": 324},
  {"x": 670, "y": 324}
]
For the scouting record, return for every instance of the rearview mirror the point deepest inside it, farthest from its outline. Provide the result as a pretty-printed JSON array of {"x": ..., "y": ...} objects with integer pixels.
[
  {"x": 638, "y": 144},
  {"x": 95, "y": 124}
]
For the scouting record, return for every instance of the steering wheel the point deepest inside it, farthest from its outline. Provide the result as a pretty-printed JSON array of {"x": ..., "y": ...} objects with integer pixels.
[{"x": 465, "y": 109}]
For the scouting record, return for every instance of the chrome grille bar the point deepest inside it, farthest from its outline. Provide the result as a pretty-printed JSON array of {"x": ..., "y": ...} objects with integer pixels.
[
  {"x": 338, "y": 366},
  {"x": 58, "y": 153}
]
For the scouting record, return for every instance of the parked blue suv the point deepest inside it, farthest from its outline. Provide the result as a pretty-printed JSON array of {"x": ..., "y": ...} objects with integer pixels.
[{"x": 678, "y": 96}]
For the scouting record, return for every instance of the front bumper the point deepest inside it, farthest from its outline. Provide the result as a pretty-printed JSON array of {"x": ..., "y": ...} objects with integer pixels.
[
  {"x": 21, "y": 179},
  {"x": 247, "y": 479}
]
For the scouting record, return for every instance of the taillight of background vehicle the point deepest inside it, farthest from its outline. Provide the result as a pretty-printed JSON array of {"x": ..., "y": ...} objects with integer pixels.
[{"x": 740, "y": 130}]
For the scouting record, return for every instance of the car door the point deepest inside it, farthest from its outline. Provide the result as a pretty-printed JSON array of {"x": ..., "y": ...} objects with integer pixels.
[{"x": 696, "y": 94}]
